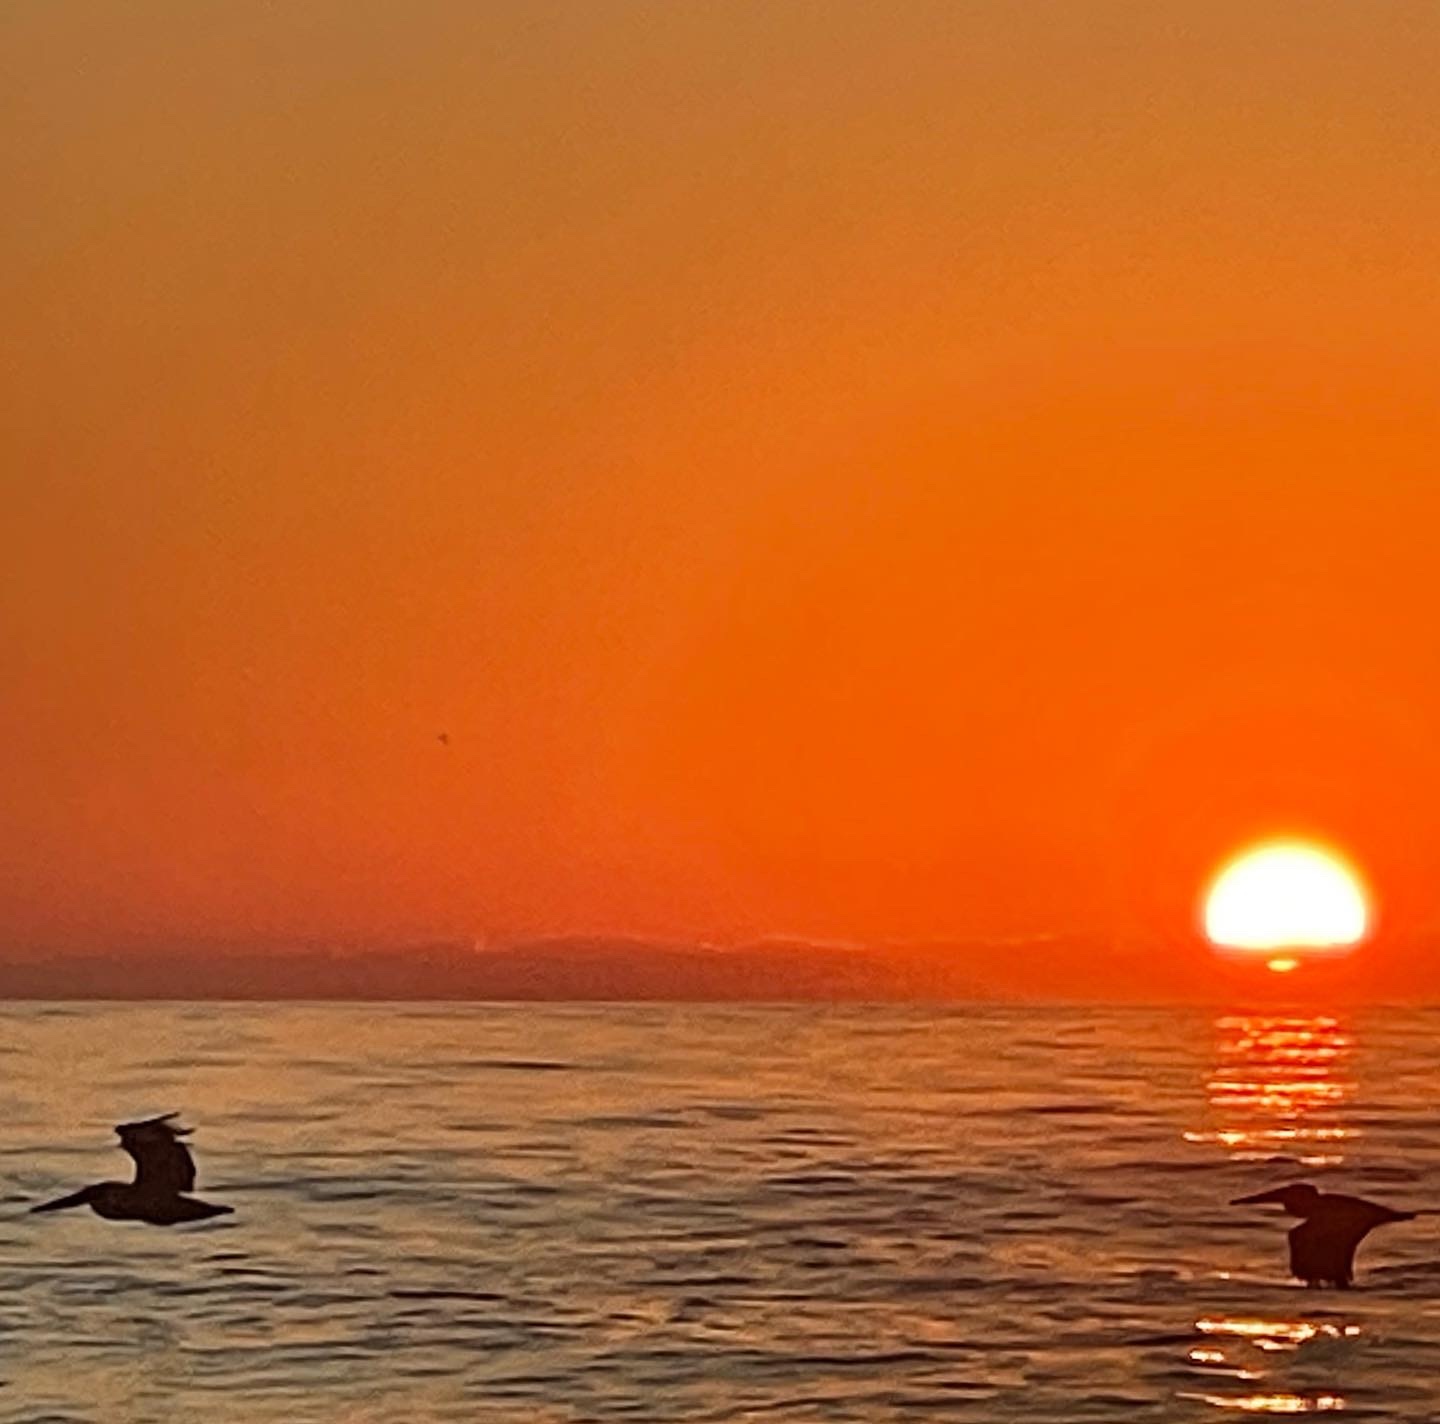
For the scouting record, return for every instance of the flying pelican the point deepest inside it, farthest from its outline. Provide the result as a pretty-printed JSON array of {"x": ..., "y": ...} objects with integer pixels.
[
  {"x": 1322, "y": 1247},
  {"x": 164, "y": 1173}
]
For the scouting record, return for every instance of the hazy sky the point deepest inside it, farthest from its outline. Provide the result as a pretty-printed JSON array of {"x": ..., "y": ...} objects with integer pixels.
[{"x": 883, "y": 469}]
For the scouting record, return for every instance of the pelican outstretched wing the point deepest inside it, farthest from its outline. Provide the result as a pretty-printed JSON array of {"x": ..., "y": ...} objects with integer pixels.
[
  {"x": 162, "y": 1162},
  {"x": 1324, "y": 1256},
  {"x": 1322, "y": 1248}
]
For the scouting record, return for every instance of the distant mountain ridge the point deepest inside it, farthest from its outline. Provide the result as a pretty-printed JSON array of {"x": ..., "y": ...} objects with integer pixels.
[{"x": 599, "y": 967}]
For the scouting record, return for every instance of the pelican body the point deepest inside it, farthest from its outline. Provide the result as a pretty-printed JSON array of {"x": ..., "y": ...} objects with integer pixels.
[
  {"x": 164, "y": 1175},
  {"x": 1322, "y": 1247}
]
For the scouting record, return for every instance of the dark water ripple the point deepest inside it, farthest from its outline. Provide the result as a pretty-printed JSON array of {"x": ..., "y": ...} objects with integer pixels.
[{"x": 578, "y": 1215}]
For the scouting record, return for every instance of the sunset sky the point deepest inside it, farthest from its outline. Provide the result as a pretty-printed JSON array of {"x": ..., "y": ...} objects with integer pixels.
[{"x": 851, "y": 470}]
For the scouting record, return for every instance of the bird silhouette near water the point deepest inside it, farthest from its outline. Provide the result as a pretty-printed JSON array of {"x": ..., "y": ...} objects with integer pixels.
[
  {"x": 1322, "y": 1247},
  {"x": 164, "y": 1175}
]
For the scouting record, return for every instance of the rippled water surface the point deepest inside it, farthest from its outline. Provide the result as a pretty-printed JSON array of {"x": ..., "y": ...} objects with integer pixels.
[{"x": 664, "y": 1213}]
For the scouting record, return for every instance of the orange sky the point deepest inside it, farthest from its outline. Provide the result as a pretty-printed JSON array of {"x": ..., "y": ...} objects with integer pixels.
[{"x": 842, "y": 469}]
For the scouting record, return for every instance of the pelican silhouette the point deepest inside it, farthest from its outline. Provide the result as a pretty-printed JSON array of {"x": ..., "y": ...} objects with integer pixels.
[
  {"x": 1322, "y": 1247},
  {"x": 164, "y": 1173}
]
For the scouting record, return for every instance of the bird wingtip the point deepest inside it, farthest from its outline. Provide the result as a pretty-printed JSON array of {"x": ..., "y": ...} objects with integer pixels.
[{"x": 168, "y": 1121}]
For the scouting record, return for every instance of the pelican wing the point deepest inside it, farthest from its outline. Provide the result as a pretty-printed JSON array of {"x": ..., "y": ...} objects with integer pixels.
[
  {"x": 1322, "y": 1257},
  {"x": 163, "y": 1163},
  {"x": 1322, "y": 1247}
]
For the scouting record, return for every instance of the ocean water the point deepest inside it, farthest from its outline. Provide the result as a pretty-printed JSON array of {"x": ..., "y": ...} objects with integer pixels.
[{"x": 675, "y": 1213}]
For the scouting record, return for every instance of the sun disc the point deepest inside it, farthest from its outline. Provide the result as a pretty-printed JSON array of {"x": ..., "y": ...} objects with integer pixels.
[{"x": 1286, "y": 895}]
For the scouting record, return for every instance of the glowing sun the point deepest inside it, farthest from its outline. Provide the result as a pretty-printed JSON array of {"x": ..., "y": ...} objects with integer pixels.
[{"x": 1286, "y": 895}]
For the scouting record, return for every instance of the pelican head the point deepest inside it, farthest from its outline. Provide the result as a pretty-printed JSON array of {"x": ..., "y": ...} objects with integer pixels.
[{"x": 1298, "y": 1199}]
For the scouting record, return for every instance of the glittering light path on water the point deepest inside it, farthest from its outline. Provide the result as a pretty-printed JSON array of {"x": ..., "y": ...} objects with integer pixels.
[{"x": 1279, "y": 1088}]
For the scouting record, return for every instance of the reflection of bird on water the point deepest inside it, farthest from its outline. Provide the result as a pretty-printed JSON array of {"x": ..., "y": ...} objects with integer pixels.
[
  {"x": 164, "y": 1172},
  {"x": 1322, "y": 1247}
]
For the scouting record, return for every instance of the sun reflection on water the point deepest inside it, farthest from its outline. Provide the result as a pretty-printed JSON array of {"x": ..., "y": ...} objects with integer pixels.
[
  {"x": 1274, "y": 1403},
  {"x": 1278, "y": 1090},
  {"x": 1278, "y": 1087},
  {"x": 1236, "y": 1349},
  {"x": 1275, "y": 1333}
]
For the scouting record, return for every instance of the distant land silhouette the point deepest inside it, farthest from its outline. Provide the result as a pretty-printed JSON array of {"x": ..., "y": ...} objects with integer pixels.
[{"x": 599, "y": 968}]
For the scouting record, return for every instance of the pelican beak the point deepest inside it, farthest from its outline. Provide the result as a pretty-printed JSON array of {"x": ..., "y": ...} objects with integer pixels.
[
  {"x": 64, "y": 1203},
  {"x": 1277, "y": 1195}
]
